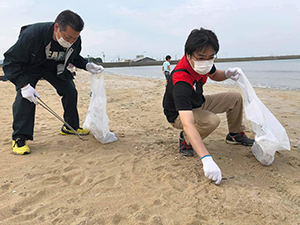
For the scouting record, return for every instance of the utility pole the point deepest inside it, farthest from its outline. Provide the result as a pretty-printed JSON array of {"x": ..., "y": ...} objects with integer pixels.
[{"x": 103, "y": 56}]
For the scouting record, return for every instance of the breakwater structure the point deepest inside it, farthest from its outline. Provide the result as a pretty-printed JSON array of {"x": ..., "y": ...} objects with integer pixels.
[{"x": 173, "y": 62}]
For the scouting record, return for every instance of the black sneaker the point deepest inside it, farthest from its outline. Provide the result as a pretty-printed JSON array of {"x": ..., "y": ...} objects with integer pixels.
[
  {"x": 184, "y": 148},
  {"x": 239, "y": 139}
]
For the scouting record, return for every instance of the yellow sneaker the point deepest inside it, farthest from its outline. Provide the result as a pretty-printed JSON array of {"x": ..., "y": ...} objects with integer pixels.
[
  {"x": 65, "y": 131},
  {"x": 20, "y": 147}
]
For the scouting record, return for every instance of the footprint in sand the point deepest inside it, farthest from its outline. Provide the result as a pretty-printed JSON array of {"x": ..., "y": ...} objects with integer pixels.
[
  {"x": 5, "y": 187},
  {"x": 73, "y": 175}
]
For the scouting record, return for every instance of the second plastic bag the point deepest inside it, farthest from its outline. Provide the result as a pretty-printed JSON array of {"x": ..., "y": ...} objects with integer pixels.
[
  {"x": 96, "y": 118},
  {"x": 270, "y": 136}
]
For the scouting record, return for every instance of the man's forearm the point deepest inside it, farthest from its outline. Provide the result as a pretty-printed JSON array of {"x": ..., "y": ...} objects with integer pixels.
[{"x": 219, "y": 75}]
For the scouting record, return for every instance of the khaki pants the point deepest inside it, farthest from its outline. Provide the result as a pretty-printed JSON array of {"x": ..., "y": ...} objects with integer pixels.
[{"x": 206, "y": 120}]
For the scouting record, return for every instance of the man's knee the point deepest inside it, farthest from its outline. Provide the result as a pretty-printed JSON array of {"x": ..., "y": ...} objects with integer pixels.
[
  {"x": 72, "y": 91},
  {"x": 210, "y": 123},
  {"x": 214, "y": 121},
  {"x": 236, "y": 96},
  {"x": 69, "y": 91}
]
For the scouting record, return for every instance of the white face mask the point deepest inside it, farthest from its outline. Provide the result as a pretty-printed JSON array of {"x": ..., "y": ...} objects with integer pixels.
[
  {"x": 203, "y": 67},
  {"x": 63, "y": 42}
]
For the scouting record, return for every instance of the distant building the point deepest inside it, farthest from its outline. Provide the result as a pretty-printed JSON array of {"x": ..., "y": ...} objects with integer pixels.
[
  {"x": 143, "y": 59},
  {"x": 139, "y": 56},
  {"x": 126, "y": 60}
]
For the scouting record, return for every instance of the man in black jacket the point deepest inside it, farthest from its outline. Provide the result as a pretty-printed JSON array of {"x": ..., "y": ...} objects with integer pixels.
[{"x": 44, "y": 50}]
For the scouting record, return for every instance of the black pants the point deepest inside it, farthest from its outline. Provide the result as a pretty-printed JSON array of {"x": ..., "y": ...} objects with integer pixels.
[
  {"x": 24, "y": 110},
  {"x": 167, "y": 74}
]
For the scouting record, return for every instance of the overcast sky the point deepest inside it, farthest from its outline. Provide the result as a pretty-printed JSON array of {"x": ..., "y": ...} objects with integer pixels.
[{"x": 157, "y": 28}]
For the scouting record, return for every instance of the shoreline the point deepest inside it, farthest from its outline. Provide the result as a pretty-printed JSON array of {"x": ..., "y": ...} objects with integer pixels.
[
  {"x": 255, "y": 83},
  {"x": 173, "y": 62},
  {"x": 208, "y": 82}
]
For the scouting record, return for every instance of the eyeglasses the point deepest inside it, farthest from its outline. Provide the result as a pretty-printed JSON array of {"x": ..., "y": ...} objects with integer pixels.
[{"x": 203, "y": 58}]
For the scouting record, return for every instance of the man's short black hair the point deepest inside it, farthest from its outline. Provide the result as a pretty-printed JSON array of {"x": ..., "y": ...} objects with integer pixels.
[
  {"x": 69, "y": 18},
  {"x": 168, "y": 57},
  {"x": 201, "y": 39}
]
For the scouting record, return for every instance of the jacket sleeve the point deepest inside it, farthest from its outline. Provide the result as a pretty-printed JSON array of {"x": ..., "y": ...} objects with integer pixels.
[
  {"x": 79, "y": 61},
  {"x": 14, "y": 60}
]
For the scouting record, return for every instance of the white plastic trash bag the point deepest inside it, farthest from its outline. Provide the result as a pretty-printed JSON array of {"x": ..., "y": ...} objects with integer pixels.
[
  {"x": 96, "y": 119},
  {"x": 270, "y": 136}
]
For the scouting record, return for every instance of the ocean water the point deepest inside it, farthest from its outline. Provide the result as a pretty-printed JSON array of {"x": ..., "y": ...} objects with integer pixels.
[{"x": 278, "y": 74}]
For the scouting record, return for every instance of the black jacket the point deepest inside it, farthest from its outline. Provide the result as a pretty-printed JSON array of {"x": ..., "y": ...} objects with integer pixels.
[{"x": 29, "y": 52}]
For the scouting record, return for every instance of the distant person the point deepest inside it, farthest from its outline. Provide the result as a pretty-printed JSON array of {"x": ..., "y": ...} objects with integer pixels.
[
  {"x": 166, "y": 69},
  {"x": 44, "y": 50},
  {"x": 187, "y": 108}
]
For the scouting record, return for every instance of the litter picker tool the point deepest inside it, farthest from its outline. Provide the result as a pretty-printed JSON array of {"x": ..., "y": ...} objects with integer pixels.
[{"x": 45, "y": 106}]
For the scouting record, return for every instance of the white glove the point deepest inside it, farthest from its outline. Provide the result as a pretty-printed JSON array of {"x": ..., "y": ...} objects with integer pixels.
[
  {"x": 94, "y": 68},
  {"x": 29, "y": 93},
  {"x": 211, "y": 169},
  {"x": 233, "y": 73}
]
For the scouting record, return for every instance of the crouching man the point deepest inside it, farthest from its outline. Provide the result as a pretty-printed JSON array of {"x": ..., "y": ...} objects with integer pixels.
[{"x": 187, "y": 108}]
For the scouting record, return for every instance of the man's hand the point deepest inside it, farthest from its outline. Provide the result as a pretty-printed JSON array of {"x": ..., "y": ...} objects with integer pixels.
[
  {"x": 211, "y": 169},
  {"x": 233, "y": 73},
  {"x": 94, "y": 68},
  {"x": 29, "y": 93}
]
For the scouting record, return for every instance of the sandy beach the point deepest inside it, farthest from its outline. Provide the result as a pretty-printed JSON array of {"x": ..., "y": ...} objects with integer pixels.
[{"x": 142, "y": 178}]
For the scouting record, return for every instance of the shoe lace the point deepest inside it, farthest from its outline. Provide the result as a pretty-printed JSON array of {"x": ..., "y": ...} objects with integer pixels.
[
  {"x": 183, "y": 143},
  {"x": 19, "y": 142}
]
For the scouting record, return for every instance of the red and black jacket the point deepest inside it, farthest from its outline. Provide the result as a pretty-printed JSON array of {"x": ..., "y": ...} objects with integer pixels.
[{"x": 184, "y": 90}]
